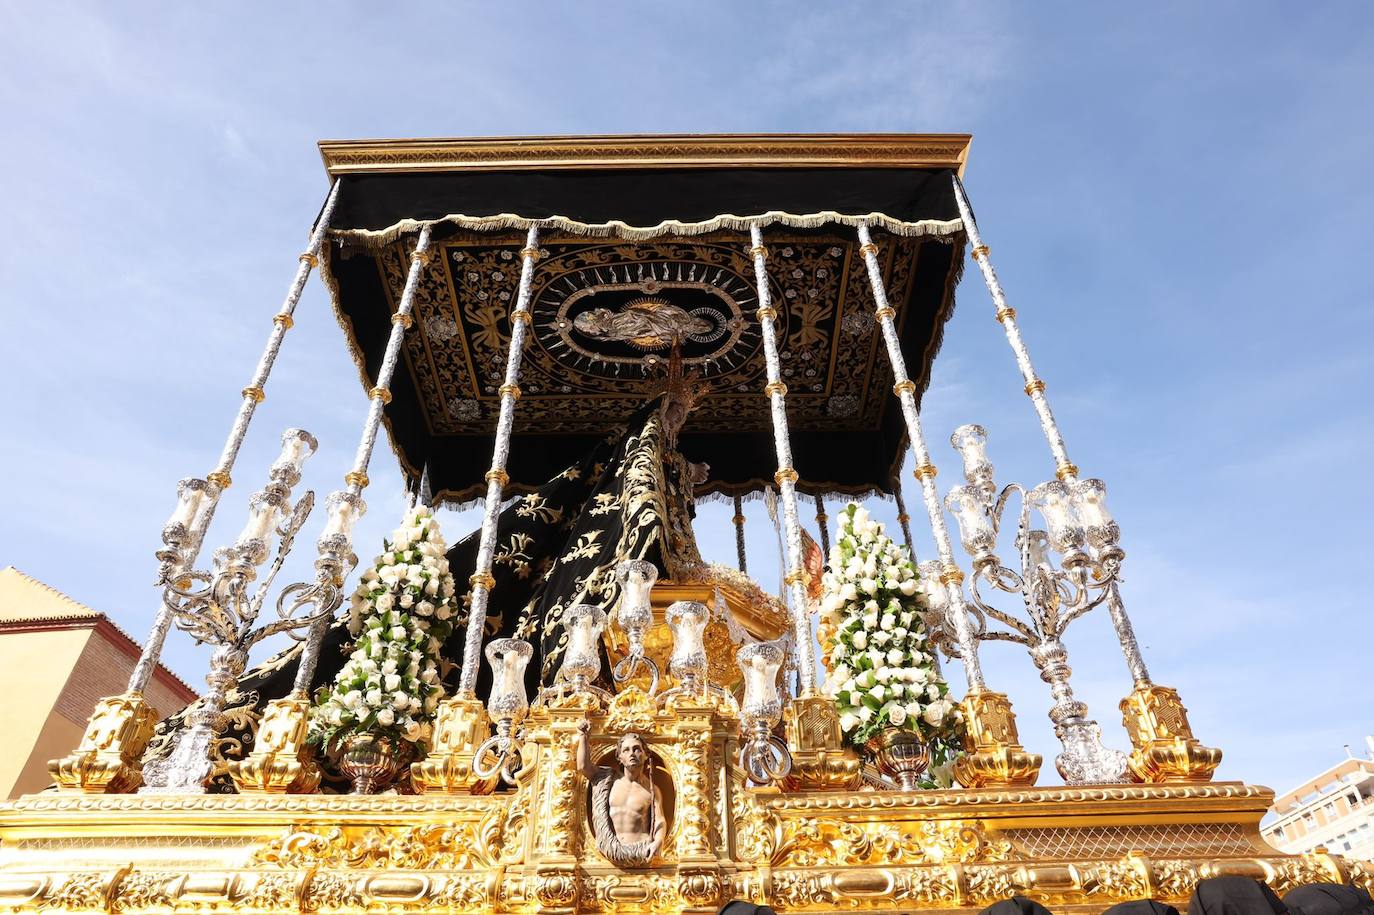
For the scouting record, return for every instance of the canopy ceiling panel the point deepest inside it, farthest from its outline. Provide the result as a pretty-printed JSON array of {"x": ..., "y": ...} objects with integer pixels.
[{"x": 631, "y": 259}]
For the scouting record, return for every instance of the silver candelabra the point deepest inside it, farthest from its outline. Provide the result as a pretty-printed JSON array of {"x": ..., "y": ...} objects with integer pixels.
[
  {"x": 1084, "y": 537},
  {"x": 220, "y": 607}
]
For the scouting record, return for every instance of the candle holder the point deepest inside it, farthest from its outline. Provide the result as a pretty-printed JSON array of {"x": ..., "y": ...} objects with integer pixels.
[
  {"x": 223, "y": 611},
  {"x": 583, "y": 624},
  {"x": 635, "y": 614},
  {"x": 1053, "y": 595},
  {"x": 507, "y": 705},
  {"x": 762, "y": 754},
  {"x": 688, "y": 663}
]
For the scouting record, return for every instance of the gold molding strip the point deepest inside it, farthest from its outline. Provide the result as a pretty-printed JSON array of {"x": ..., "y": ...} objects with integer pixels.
[{"x": 826, "y": 150}]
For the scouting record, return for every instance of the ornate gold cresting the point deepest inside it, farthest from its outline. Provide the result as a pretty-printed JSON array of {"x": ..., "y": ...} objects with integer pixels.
[
  {"x": 994, "y": 757},
  {"x": 108, "y": 758},
  {"x": 1165, "y": 749},
  {"x": 459, "y": 729},
  {"x": 281, "y": 762}
]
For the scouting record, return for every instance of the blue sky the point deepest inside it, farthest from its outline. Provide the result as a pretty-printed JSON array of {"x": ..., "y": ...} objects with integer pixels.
[{"x": 1177, "y": 198}]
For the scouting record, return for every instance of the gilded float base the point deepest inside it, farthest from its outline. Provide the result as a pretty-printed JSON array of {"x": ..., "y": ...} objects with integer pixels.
[
  {"x": 460, "y": 727},
  {"x": 281, "y": 762},
  {"x": 108, "y": 757},
  {"x": 993, "y": 754},
  {"x": 1075, "y": 849},
  {"x": 1165, "y": 749},
  {"x": 820, "y": 759}
]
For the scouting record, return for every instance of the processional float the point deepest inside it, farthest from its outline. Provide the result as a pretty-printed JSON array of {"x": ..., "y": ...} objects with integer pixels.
[{"x": 506, "y": 303}]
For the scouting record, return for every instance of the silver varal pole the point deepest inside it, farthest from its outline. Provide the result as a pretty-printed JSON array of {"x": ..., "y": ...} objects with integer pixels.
[
  {"x": 219, "y": 479},
  {"x": 1065, "y": 469},
  {"x": 786, "y": 475},
  {"x": 905, "y": 388},
  {"x": 497, "y": 477},
  {"x": 350, "y": 500}
]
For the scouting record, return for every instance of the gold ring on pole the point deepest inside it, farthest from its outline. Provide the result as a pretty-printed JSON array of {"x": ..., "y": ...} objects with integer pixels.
[
  {"x": 882, "y": 314},
  {"x": 1066, "y": 470},
  {"x": 952, "y": 576},
  {"x": 530, "y": 254},
  {"x": 759, "y": 251},
  {"x": 904, "y": 387},
  {"x": 1006, "y": 314},
  {"x": 774, "y": 387},
  {"x": 254, "y": 392},
  {"x": 738, "y": 519},
  {"x": 980, "y": 251},
  {"x": 402, "y": 318},
  {"x": 512, "y": 389},
  {"x": 482, "y": 580},
  {"x": 497, "y": 475},
  {"x": 787, "y": 473},
  {"x": 284, "y": 320},
  {"x": 924, "y": 470},
  {"x": 866, "y": 250},
  {"x": 381, "y": 394},
  {"x": 521, "y": 315},
  {"x": 423, "y": 255},
  {"x": 220, "y": 478},
  {"x": 309, "y": 259},
  {"x": 767, "y": 313},
  {"x": 796, "y": 576},
  {"x": 1035, "y": 386},
  {"x": 903, "y": 518},
  {"x": 357, "y": 478}
]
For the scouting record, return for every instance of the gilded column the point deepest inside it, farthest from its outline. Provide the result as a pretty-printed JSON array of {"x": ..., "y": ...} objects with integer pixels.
[
  {"x": 819, "y": 758},
  {"x": 107, "y": 760},
  {"x": 461, "y": 724},
  {"x": 1164, "y": 746},
  {"x": 995, "y": 756}
]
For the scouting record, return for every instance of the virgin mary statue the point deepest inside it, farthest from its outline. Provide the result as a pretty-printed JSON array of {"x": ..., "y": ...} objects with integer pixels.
[{"x": 630, "y": 497}]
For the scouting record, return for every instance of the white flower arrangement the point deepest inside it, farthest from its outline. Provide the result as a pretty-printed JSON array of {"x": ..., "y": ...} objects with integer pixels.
[
  {"x": 401, "y": 614},
  {"x": 881, "y": 662}
]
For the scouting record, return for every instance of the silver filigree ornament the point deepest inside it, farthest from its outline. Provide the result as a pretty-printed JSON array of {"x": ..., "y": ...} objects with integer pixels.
[
  {"x": 220, "y": 608},
  {"x": 1053, "y": 595}
]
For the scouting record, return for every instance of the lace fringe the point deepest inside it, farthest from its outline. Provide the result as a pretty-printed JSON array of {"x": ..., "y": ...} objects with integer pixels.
[{"x": 378, "y": 238}]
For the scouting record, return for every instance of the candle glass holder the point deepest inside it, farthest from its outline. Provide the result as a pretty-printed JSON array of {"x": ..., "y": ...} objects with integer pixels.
[
  {"x": 635, "y": 614},
  {"x": 763, "y": 754},
  {"x": 583, "y": 624},
  {"x": 507, "y": 706}
]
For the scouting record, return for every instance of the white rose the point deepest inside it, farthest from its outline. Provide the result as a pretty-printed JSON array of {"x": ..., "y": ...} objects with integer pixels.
[
  {"x": 398, "y": 633},
  {"x": 934, "y": 714},
  {"x": 385, "y": 602},
  {"x": 353, "y": 699},
  {"x": 400, "y": 701},
  {"x": 878, "y": 692},
  {"x": 407, "y": 601},
  {"x": 430, "y": 675},
  {"x": 849, "y": 592},
  {"x": 868, "y": 586},
  {"x": 392, "y": 682},
  {"x": 933, "y": 691},
  {"x": 849, "y": 685},
  {"x": 841, "y": 673},
  {"x": 896, "y": 714},
  {"x": 848, "y": 721},
  {"x": 907, "y": 587},
  {"x": 881, "y": 637},
  {"x": 388, "y": 667},
  {"x": 412, "y": 732},
  {"x": 424, "y": 607},
  {"x": 870, "y": 620},
  {"x": 860, "y": 639},
  {"x": 335, "y": 715},
  {"x": 442, "y": 613},
  {"x": 913, "y": 710},
  {"x": 865, "y": 714},
  {"x": 896, "y": 689},
  {"x": 386, "y": 717},
  {"x": 374, "y": 698}
]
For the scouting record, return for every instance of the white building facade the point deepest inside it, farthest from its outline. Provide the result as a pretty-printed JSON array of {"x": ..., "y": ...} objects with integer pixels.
[{"x": 1334, "y": 810}]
